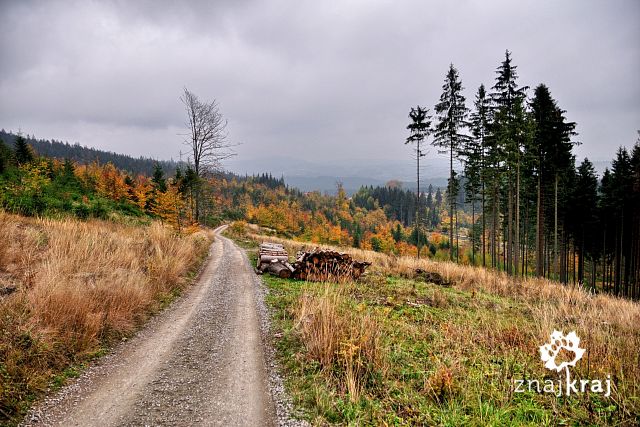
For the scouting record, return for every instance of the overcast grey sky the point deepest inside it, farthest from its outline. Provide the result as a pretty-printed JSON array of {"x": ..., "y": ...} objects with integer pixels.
[{"x": 313, "y": 79}]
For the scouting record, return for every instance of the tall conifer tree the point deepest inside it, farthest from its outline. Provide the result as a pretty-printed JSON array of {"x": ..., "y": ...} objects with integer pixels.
[
  {"x": 476, "y": 153},
  {"x": 507, "y": 98},
  {"x": 419, "y": 128},
  {"x": 451, "y": 121}
]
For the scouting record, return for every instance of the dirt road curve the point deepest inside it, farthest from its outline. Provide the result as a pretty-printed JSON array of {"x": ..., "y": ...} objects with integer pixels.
[{"x": 201, "y": 362}]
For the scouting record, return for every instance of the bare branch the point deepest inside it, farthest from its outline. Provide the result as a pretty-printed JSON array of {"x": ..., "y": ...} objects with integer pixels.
[{"x": 207, "y": 137}]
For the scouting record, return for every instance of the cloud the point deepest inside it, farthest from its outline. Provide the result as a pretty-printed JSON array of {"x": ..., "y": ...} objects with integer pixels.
[{"x": 314, "y": 80}]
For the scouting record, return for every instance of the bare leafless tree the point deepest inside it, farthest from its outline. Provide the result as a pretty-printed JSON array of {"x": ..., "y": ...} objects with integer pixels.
[{"x": 207, "y": 139}]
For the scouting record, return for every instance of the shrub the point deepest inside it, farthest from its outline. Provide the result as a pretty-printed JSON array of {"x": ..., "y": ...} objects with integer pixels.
[{"x": 81, "y": 210}]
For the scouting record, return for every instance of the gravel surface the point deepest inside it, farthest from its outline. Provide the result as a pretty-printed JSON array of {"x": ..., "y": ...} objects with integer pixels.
[{"x": 207, "y": 360}]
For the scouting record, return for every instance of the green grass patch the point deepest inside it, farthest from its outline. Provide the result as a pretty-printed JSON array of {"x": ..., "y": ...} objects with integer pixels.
[{"x": 450, "y": 358}]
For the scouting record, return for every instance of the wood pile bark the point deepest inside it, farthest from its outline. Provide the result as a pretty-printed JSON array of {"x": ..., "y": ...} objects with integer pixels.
[
  {"x": 274, "y": 259},
  {"x": 327, "y": 266},
  {"x": 272, "y": 252},
  {"x": 317, "y": 265}
]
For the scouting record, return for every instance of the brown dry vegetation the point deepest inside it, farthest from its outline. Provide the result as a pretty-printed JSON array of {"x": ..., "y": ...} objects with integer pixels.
[
  {"x": 486, "y": 315},
  {"x": 79, "y": 286},
  {"x": 333, "y": 335}
]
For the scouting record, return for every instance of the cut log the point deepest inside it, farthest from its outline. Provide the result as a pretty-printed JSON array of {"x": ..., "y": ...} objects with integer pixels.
[
  {"x": 327, "y": 266},
  {"x": 270, "y": 258},
  {"x": 270, "y": 252},
  {"x": 279, "y": 269},
  {"x": 317, "y": 265}
]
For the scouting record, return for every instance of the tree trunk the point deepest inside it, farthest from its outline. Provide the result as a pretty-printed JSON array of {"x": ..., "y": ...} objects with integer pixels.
[
  {"x": 509, "y": 255},
  {"x": 505, "y": 238},
  {"x": 484, "y": 230},
  {"x": 555, "y": 232},
  {"x": 516, "y": 261},
  {"x": 565, "y": 261},
  {"x": 473, "y": 223},
  {"x": 539, "y": 232},
  {"x": 573, "y": 263},
  {"x": 451, "y": 202},
  {"x": 616, "y": 273},
  {"x": 525, "y": 246},
  {"x": 581, "y": 258},
  {"x": 457, "y": 237},
  {"x": 494, "y": 218},
  {"x": 604, "y": 259},
  {"x": 418, "y": 200}
]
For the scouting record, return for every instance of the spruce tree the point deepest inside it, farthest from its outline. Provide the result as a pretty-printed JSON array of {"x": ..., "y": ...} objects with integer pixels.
[
  {"x": 552, "y": 150},
  {"x": 607, "y": 223},
  {"x": 622, "y": 180},
  {"x": 480, "y": 127},
  {"x": 419, "y": 128},
  {"x": 6, "y": 156},
  {"x": 23, "y": 151},
  {"x": 634, "y": 257},
  {"x": 583, "y": 214},
  {"x": 507, "y": 99},
  {"x": 158, "y": 178},
  {"x": 451, "y": 121}
]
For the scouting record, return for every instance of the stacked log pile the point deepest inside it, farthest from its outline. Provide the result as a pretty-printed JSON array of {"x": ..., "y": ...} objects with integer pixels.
[
  {"x": 317, "y": 265},
  {"x": 272, "y": 252},
  {"x": 274, "y": 259},
  {"x": 327, "y": 266}
]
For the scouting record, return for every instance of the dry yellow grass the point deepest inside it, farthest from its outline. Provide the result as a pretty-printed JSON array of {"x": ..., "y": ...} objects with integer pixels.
[
  {"x": 333, "y": 335},
  {"x": 609, "y": 326},
  {"x": 79, "y": 286}
]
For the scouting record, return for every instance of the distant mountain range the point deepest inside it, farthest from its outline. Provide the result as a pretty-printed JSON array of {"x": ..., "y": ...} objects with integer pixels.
[
  {"x": 351, "y": 184},
  {"x": 301, "y": 174},
  {"x": 352, "y": 173}
]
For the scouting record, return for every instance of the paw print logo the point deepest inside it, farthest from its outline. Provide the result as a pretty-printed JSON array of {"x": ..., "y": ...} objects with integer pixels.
[{"x": 549, "y": 351}]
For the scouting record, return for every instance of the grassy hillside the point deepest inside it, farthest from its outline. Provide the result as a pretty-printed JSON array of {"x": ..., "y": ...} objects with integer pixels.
[
  {"x": 78, "y": 286},
  {"x": 395, "y": 350}
]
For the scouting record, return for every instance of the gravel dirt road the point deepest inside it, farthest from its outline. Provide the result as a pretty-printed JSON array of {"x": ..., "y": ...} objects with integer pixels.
[{"x": 201, "y": 362}]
